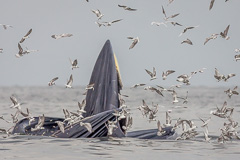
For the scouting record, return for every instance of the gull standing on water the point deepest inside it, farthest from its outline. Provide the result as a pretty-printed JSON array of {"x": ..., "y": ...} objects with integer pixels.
[{"x": 26, "y": 36}]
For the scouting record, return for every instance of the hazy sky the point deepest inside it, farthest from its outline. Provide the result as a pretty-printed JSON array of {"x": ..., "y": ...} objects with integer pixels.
[{"x": 159, "y": 47}]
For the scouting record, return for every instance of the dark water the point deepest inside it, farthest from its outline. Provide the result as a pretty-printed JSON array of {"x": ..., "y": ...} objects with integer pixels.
[{"x": 51, "y": 100}]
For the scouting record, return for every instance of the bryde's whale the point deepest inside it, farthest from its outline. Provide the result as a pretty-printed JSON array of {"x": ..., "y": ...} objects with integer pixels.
[{"x": 101, "y": 104}]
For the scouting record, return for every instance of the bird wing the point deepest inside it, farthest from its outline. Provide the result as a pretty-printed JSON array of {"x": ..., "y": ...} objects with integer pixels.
[
  {"x": 116, "y": 21},
  {"x": 169, "y": 72},
  {"x": 54, "y": 79},
  {"x": 164, "y": 12},
  {"x": 211, "y": 4},
  {"x": 75, "y": 62},
  {"x": 28, "y": 33},
  {"x": 70, "y": 80},
  {"x": 226, "y": 30},
  {"x": 149, "y": 72},
  {"x": 133, "y": 44}
]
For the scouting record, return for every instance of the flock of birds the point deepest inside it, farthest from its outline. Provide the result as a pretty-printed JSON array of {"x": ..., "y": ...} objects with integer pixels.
[{"x": 228, "y": 131}]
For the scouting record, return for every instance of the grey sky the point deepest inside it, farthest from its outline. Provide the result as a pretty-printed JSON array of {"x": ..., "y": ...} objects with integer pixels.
[{"x": 159, "y": 46}]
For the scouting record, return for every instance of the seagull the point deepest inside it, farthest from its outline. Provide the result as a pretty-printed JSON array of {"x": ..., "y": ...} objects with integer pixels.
[
  {"x": 69, "y": 83},
  {"x": 152, "y": 114},
  {"x": 187, "y": 28},
  {"x": 174, "y": 95},
  {"x": 165, "y": 74},
  {"x": 152, "y": 74},
  {"x": 144, "y": 108},
  {"x": 135, "y": 41},
  {"x": 188, "y": 41},
  {"x": 61, "y": 126},
  {"x": 98, "y": 13},
  {"x": 218, "y": 76},
  {"x": 128, "y": 124},
  {"x": 175, "y": 23},
  {"x": 55, "y": 36},
  {"x": 168, "y": 120},
  {"x": 5, "y": 26},
  {"x": 224, "y": 33},
  {"x": 230, "y": 92},
  {"x": 127, "y": 8},
  {"x": 1, "y": 50},
  {"x": 237, "y": 57},
  {"x": 211, "y": 4},
  {"x": 90, "y": 86},
  {"x": 138, "y": 85},
  {"x": 207, "y": 139},
  {"x": 159, "y": 23},
  {"x": 160, "y": 129},
  {"x": 20, "y": 52},
  {"x": 110, "y": 126},
  {"x": 15, "y": 103},
  {"x": 184, "y": 78},
  {"x": 154, "y": 89},
  {"x": 229, "y": 76},
  {"x": 88, "y": 126},
  {"x": 26, "y": 36},
  {"x": 166, "y": 18},
  {"x": 52, "y": 82},
  {"x": 81, "y": 107},
  {"x": 205, "y": 123},
  {"x": 74, "y": 63},
  {"x": 110, "y": 23},
  {"x": 40, "y": 124},
  {"x": 213, "y": 36}
]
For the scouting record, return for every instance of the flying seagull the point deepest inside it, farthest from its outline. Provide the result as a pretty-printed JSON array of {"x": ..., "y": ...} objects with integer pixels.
[
  {"x": 5, "y": 26},
  {"x": 20, "y": 52},
  {"x": 74, "y": 63},
  {"x": 186, "y": 29},
  {"x": 188, "y": 41},
  {"x": 165, "y": 74},
  {"x": 55, "y": 36},
  {"x": 26, "y": 36},
  {"x": 52, "y": 82},
  {"x": 98, "y": 13},
  {"x": 224, "y": 33},
  {"x": 135, "y": 41},
  {"x": 127, "y": 8},
  {"x": 110, "y": 23},
  {"x": 152, "y": 74},
  {"x": 69, "y": 83}
]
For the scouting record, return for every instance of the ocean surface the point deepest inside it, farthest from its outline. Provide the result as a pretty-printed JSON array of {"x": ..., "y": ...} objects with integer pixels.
[{"x": 50, "y": 101}]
